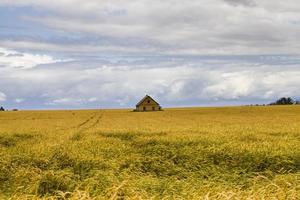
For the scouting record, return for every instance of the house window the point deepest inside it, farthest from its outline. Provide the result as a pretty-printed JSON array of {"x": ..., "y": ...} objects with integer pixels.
[
  {"x": 144, "y": 108},
  {"x": 153, "y": 108},
  {"x": 148, "y": 101}
]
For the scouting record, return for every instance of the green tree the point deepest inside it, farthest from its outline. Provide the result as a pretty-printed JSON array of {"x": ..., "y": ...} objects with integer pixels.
[{"x": 284, "y": 101}]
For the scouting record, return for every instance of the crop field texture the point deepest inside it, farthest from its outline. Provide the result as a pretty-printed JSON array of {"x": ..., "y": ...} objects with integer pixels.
[{"x": 191, "y": 153}]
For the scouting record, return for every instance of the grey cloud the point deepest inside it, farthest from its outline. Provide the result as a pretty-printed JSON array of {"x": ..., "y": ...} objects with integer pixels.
[
  {"x": 143, "y": 26},
  {"x": 14, "y": 55},
  {"x": 180, "y": 81},
  {"x": 196, "y": 27},
  {"x": 241, "y": 2},
  {"x": 112, "y": 52}
]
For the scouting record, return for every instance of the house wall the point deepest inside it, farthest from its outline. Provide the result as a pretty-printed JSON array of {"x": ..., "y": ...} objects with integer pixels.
[{"x": 148, "y": 104}]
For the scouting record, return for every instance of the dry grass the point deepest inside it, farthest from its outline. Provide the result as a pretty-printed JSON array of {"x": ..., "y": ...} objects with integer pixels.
[{"x": 192, "y": 153}]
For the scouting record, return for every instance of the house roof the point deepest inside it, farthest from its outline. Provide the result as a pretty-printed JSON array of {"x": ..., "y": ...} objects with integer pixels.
[{"x": 143, "y": 99}]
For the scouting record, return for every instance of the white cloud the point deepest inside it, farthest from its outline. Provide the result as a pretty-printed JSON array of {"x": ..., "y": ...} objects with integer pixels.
[
  {"x": 19, "y": 100},
  {"x": 114, "y": 85},
  {"x": 233, "y": 86},
  {"x": 15, "y": 59},
  {"x": 108, "y": 42},
  {"x": 65, "y": 101},
  {"x": 196, "y": 26},
  {"x": 93, "y": 99},
  {"x": 70, "y": 48},
  {"x": 2, "y": 96}
]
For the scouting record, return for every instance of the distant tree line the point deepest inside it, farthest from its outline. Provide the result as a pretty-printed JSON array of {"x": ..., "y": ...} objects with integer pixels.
[
  {"x": 286, "y": 101},
  {"x": 2, "y": 109}
]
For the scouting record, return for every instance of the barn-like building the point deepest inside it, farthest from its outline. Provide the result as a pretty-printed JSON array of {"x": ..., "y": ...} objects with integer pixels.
[{"x": 148, "y": 104}]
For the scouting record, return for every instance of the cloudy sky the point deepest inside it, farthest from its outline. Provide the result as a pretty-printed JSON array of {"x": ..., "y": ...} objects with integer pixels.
[{"x": 110, "y": 53}]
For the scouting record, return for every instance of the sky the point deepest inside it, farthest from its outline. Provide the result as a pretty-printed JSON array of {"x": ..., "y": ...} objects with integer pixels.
[{"x": 77, "y": 54}]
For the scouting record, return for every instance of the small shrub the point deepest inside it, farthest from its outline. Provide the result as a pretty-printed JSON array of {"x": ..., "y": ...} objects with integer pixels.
[
  {"x": 61, "y": 159},
  {"x": 83, "y": 167},
  {"x": 52, "y": 182},
  {"x": 4, "y": 172},
  {"x": 12, "y": 140},
  {"x": 23, "y": 136},
  {"x": 121, "y": 136},
  {"x": 77, "y": 136},
  {"x": 7, "y": 141}
]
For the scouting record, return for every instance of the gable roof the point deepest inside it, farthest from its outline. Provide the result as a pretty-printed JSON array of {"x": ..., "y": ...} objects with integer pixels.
[{"x": 143, "y": 99}]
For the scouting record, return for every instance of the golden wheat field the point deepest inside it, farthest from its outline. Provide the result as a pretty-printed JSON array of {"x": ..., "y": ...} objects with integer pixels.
[{"x": 188, "y": 153}]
